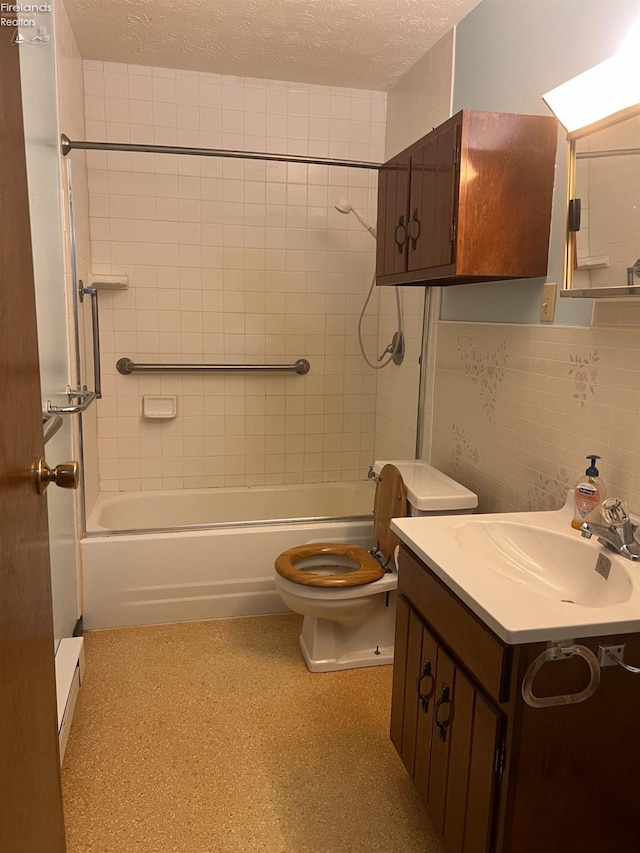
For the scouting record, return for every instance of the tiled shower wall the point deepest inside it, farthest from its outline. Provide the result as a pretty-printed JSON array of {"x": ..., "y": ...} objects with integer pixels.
[
  {"x": 232, "y": 261},
  {"x": 517, "y": 408}
]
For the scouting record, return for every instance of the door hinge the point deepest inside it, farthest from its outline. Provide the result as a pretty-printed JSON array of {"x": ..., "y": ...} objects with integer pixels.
[
  {"x": 501, "y": 759},
  {"x": 453, "y": 233}
]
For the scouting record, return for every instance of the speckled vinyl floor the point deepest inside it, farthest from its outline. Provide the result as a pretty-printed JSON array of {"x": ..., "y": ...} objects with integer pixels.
[{"x": 212, "y": 737}]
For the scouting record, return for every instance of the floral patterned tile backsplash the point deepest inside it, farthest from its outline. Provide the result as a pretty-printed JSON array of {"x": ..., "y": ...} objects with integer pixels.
[{"x": 517, "y": 409}]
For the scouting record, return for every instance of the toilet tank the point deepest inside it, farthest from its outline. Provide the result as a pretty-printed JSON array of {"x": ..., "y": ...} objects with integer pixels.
[{"x": 429, "y": 491}]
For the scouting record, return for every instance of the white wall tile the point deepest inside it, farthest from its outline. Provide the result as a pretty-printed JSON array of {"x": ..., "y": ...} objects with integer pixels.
[{"x": 231, "y": 260}]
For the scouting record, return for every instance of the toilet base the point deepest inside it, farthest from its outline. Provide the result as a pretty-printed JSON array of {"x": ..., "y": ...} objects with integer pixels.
[{"x": 332, "y": 646}]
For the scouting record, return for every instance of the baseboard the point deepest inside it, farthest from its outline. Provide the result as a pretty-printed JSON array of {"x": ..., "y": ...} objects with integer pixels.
[{"x": 69, "y": 675}]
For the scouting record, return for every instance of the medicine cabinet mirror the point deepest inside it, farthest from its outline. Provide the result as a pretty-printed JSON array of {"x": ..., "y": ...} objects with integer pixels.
[{"x": 602, "y": 257}]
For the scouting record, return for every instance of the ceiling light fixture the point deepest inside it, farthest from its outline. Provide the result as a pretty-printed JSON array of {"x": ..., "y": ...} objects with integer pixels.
[{"x": 599, "y": 96}]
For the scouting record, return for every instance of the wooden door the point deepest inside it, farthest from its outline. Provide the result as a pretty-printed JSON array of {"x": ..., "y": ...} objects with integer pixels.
[
  {"x": 31, "y": 818},
  {"x": 434, "y": 178},
  {"x": 393, "y": 210}
]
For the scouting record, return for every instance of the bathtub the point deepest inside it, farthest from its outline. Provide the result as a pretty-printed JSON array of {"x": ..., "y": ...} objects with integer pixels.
[{"x": 175, "y": 556}]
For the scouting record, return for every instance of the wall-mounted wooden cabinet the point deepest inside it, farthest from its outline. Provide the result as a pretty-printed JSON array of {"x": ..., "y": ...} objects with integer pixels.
[
  {"x": 469, "y": 202},
  {"x": 495, "y": 774}
]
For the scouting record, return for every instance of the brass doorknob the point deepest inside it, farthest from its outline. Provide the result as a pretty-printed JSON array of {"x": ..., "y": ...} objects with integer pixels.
[{"x": 66, "y": 475}]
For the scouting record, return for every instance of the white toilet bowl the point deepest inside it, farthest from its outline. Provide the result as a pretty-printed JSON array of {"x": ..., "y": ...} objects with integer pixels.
[
  {"x": 349, "y": 604},
  {"x": 344, "y": 628}
]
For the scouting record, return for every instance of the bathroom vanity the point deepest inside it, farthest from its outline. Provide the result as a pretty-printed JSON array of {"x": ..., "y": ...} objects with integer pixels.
[
  {"x": 495, "y": 773},
  {"x": 470, "y": 201}
]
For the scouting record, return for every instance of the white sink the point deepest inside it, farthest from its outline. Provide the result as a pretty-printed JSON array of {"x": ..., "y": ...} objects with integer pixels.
[
  {"x": 528, "y": 575},
  {"x": 559, "y": 566}
]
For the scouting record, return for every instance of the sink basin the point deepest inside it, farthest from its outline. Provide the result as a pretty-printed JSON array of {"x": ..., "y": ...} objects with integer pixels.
[
  {"x": 556, "y": 565},
  {"x": 527, "y": 575}
]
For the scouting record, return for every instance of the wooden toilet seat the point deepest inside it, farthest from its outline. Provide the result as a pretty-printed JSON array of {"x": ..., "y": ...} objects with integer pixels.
[
  {"x": 368, "y": 569},
  {"x": 390, "y": 502}
]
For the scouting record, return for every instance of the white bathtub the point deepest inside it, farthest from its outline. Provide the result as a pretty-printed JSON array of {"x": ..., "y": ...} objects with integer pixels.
[{"x": 174, "y": 556}]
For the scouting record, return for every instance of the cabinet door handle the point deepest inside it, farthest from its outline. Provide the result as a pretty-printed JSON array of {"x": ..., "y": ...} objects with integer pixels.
[
  {"x": 425, "y": 672},
  {"x": 443, "y": 700},
  {"x": 400, "y": 235},
  {"x": 414, "y": 230}
]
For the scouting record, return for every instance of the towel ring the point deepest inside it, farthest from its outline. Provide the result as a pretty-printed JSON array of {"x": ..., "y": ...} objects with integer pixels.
[{"x": 559, "y": 652}]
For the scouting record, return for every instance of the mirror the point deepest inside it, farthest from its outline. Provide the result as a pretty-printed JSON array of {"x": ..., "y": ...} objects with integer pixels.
[{"x": 603, "y": 223}]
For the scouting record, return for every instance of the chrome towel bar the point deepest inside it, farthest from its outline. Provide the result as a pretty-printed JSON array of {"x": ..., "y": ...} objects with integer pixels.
[
  {"x": 50, "y": 426},
  {"x": 126, "y": 367}
]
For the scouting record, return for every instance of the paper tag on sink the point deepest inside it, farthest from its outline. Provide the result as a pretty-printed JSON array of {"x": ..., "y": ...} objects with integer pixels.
[{"x": 603, "y": 566}]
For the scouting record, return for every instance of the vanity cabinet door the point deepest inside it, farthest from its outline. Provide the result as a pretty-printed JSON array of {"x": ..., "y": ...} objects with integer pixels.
[
  {"x": 424, "y": 724},
  {"x": 447, "y": 734},
  {"x": 412, "y": 694},
  {"x": 399, "y": 672},
  {"x": 463, "y": 777}
]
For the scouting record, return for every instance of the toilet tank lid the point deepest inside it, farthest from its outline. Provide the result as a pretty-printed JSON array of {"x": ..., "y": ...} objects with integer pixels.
[{"x": 429, "y": 489}]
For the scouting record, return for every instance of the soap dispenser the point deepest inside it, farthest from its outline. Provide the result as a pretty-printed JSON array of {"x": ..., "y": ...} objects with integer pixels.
[{"x": 588, "y": 494}]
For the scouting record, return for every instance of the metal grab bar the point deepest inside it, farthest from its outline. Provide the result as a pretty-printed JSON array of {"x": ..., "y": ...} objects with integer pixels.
[
  {"x": 83, "y": 394},
  {"x": 126, "y": 367},
  {"x": 95, "y": 325}
]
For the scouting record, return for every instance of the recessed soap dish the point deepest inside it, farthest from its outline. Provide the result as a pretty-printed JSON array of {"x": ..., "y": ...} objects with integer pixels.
[{"x": 159, "y": 407}]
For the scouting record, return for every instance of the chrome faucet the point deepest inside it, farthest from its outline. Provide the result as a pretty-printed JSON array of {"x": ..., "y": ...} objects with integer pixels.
[{"x": 618, "y": 532}]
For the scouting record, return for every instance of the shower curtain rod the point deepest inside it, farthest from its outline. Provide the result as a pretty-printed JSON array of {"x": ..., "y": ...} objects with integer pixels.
[{"x": 67, "y": 145}]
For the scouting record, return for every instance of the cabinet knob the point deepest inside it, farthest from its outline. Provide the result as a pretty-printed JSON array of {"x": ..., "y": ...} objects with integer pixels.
[
  {"x": 400, "y": 235},
  {"x": 443, "y": 700},
  {"x": 414, "y": 230}
]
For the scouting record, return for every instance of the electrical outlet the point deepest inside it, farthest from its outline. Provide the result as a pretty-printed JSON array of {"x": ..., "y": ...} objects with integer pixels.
[{"x": 548, "y": 303}]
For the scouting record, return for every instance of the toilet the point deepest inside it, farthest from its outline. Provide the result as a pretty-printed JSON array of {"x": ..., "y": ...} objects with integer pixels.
[{"x": 346, "y": 593}]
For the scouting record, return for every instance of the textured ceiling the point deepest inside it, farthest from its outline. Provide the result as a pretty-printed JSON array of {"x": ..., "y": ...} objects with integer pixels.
[{"x": 356, "y": 43}]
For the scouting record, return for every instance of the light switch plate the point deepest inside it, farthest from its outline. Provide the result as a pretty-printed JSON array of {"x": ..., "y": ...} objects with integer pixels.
[{"x": 548, "y": 303}]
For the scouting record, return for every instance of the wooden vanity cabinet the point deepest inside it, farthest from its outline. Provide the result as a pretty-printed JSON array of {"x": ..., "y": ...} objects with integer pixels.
[
  {"x": 495, "y": 774},
  {"x": 469, "y": 202},
  {"x": 452, "y": 761}
]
